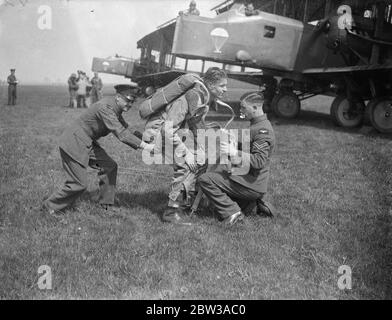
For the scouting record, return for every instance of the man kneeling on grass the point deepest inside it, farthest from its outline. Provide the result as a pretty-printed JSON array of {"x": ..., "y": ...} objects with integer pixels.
[
  {"x": 79, "y": 149},
  {"x": 231, "y": 195}
]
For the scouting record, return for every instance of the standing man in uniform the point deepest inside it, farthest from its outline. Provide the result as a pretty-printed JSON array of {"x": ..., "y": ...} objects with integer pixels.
[
  {"x": 79, "y": 149},
  {"x": 96, "y": 90},
  {"x": 186, "y": 110},
  {"x": 72, "y": 88},
  {"x": 83, "y": 83},
  {"x": 221, "y": 187},
  {"x": 12, "y": 82}
]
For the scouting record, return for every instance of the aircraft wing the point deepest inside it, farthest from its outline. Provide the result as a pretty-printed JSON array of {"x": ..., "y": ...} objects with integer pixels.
[{"x": 158, "y": 79}]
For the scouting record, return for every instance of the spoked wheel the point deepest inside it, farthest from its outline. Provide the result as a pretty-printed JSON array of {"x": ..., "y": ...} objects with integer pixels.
[
  {"x": 286, "y": 105},
  {"x": 380, "y": 113},
  {"x": 345, "y": 114}
]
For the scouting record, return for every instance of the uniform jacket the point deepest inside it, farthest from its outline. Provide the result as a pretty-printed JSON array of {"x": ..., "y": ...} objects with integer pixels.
[
  {"x": 194, "y": 12},
  {"x": 12, "y": 80},
  {"x": 262, "y": 143},
  {"x": 102, "y": 118},
  {"x": 96, "y": 83},
  {"x": 72, "y": 85}
]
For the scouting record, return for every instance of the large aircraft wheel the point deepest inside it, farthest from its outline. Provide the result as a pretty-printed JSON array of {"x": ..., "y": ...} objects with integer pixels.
[
  {"x": 381, "y": 114},
  {"x": 345, "y": 115},
  {"x": 369, "y": 107},
  {"x": 286, "y": 105}
]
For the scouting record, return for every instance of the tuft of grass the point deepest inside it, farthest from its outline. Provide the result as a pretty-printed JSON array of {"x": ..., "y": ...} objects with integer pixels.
[{"x": 331, "y": 186}]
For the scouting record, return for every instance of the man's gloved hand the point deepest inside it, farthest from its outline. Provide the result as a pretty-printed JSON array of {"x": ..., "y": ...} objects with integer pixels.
[
  {"x": 191, "y": 161},
  {"x": 147, "y": 146}
]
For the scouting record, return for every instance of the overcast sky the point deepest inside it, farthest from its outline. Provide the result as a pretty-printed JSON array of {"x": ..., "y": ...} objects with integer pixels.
[{"x": 41, "y": 49}]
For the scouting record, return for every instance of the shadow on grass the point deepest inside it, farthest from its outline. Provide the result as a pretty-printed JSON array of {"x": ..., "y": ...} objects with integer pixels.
[{"x": 154, "y": 201}]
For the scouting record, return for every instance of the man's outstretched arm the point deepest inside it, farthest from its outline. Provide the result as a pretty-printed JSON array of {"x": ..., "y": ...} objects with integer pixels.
[{"x": 120, "y": 129}]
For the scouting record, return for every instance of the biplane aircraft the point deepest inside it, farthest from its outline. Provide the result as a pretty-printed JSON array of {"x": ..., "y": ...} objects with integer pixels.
[
  {"x": 295, "y": 49},
  {"x": 347, "y": 53}
]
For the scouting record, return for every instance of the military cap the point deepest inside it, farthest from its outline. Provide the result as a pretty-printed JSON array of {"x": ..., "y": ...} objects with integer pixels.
[
  {"x": 129, "y": 91},
  {"x": 12, "y": 69}
]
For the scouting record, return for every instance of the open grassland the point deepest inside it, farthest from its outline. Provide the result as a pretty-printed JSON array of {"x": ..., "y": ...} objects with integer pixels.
[{"x": 332, "y": 187}]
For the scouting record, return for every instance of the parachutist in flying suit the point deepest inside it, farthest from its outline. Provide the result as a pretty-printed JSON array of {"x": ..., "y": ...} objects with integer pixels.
[
  {"x": 79, "y": 149},
  {"x": 182, "y": 111}
]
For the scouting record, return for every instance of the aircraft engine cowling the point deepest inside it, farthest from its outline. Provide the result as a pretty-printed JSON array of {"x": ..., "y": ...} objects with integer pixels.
[{"x": 339, "y": 40}]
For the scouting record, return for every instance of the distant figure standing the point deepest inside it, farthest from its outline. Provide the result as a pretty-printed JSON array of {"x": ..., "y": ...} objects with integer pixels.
[
  {"x": 12, "y": 82},
  {"x": 96, "y": 91},
  {"x": 82, "y": 89},
  {"x": 73, "y": 88},
  {"x": 192, "y": 10},
  {"x": 88, "y": 92},
  {"x": 250, "y": 10}
]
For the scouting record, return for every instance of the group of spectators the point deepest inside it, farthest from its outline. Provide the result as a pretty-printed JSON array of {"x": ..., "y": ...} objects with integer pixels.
[{"x": 83, "y": 91}]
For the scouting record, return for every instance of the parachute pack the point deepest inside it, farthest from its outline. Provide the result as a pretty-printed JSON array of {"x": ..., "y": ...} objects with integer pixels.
[
  {"x": 168, "y": 94},
  {"x": 153, "y": 108}
]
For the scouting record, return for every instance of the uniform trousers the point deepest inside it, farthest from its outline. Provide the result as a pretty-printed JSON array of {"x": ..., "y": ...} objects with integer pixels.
[
  {"x": 72, "y": 99},
  {"x": 227, "y": 196},
  {"x": 95, "y": 95},
  {"x": 81, "y": 101},
  {"x": 11, "y": 94},
  {"x": 76, "y": 182}
]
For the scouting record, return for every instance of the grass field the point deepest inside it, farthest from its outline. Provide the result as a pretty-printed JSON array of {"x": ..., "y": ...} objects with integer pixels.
[{"x": 332, "y": 187}]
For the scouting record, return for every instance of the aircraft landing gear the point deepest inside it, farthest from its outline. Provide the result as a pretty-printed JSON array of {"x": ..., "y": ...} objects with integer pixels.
[
  {"x": 346, "y": 114},
  {"x": 286, "y": 105},
  {"x": 380, "y": 114}
]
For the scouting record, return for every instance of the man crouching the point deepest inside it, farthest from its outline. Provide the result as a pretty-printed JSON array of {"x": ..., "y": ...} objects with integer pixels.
[
  {"x": 226, "y": 191},
  {"x": 79, "y": 149}
]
